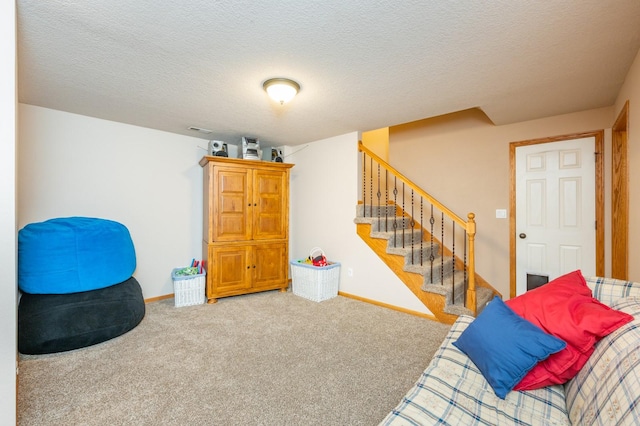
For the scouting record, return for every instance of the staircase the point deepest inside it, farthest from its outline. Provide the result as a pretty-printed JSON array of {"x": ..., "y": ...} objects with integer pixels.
[{"x": 442, "y": 277}]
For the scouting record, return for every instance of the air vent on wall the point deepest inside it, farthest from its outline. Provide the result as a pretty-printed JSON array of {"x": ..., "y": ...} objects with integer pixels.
[{"x": 199, "y": 129}]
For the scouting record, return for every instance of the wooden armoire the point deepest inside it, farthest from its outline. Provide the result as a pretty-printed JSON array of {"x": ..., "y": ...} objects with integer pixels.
[{"x": 246, "y": 226}]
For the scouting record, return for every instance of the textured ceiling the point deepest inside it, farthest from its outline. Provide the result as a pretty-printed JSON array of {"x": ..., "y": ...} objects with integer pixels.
[{"x": 362, "y": 65}]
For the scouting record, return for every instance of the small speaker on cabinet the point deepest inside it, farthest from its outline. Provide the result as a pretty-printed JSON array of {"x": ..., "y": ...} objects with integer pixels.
[
  {"x": 276, "y": 155},
  {"x": 218, "y": 149}
]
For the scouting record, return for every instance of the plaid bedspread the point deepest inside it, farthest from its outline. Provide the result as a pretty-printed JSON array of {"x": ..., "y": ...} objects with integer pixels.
[{"x": 452, "y": 391}]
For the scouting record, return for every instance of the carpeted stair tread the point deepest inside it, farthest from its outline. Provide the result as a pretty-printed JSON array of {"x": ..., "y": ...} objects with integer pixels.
[
  {"x": 445, "y": 287},
  {"x": 363, "y": 210},
  {"x": 483, "y": 296},
  {"x": 432, "y": 272},
  {"x": 385, "y": 224},
  {"x": 407, "y": 235}
]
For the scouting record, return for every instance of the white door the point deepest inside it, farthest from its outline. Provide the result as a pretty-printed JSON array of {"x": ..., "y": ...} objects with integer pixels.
[{"x": 555, "y": 209}]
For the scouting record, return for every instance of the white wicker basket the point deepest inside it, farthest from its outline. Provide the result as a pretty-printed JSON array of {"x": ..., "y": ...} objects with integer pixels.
[
  {"x": 188, "y": 289},
  {"x": 316, "y": 283}
]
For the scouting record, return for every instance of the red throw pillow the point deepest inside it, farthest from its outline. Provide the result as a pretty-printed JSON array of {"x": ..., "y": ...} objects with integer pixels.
[
  {"x": 566, "y": 309},
  {"x": 559, "y": 368}
]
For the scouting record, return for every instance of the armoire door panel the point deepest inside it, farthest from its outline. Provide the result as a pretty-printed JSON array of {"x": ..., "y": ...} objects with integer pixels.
[
  {"x": 230, "y": 268},
  {"x": 232, "y": 209},
  {"x": 272, "y": 264},
  {"x": 270, "y": 204}
]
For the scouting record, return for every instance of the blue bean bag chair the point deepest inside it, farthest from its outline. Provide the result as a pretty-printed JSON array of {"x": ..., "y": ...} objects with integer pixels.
[
  {"x": 73, "y": 254},
  {"x": 49, "y": 323}
]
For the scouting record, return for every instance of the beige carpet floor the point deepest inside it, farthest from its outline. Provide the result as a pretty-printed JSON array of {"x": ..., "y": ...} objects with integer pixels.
[{"x": 264, "y": 359}]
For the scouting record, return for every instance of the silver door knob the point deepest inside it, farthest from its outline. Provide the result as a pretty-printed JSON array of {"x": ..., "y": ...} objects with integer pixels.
[{"x": 522, "y": 235}]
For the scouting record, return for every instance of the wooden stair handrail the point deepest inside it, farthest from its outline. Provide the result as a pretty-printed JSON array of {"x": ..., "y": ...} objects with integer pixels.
[
  {"x": 413, "y": 186},
  {"x": 469, "y": 226}
]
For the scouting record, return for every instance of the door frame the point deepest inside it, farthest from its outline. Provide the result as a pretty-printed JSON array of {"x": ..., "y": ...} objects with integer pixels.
[
  {"x": 599, "y": 195},
  {"x": 620, "y": 196}
]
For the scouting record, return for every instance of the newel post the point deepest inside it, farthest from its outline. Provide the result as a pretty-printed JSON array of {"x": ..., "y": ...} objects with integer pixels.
[{"x": 471, "y": 289}]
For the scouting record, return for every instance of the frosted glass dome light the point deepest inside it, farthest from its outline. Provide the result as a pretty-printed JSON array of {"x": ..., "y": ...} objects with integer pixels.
[{"x": 281, "y": 90}]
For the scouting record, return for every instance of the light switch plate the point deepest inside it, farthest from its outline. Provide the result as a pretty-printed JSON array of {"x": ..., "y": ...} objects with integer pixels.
[{"x": 501, "y": 213}]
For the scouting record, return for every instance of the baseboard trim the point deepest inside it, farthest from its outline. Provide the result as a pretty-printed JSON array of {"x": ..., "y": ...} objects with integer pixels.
[
  {"x": 158, "y": 298},
  {"x": 386, "y": 305}
]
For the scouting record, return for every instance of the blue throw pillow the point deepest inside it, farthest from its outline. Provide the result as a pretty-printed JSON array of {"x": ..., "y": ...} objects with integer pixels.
[{"x": 505, "y": 346}]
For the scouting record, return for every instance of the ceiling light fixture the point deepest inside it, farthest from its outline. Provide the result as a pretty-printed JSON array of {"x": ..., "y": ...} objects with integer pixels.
[{"x": 281, "y": 89}]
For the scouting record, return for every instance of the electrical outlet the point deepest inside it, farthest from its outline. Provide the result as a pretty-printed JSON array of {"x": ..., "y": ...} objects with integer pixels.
[
  {"x": 501, "y": 213},
  {"x": 350, "y": 272}
]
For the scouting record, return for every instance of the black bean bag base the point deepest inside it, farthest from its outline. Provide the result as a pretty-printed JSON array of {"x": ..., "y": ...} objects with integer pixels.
[{"x": 49, "y": 323}]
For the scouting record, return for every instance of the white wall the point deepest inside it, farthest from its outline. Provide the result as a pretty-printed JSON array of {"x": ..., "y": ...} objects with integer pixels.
[
  {"x": 8, "y": 292},
  {"x": 148, "y": 180},
  {"x": 324, "y": 188}
]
